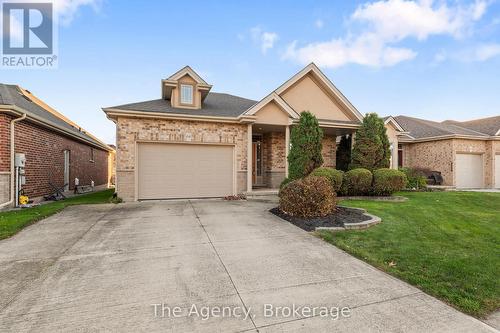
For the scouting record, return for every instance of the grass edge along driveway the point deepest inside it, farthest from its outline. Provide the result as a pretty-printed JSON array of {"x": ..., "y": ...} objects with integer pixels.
[
  {"x": 445, "y": 243},
  {"x": 11, "y": 222}
]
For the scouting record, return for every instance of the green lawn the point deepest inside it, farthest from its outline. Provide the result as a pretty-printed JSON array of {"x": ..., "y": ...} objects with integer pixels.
[
  {"x": 13, "y": 221},
  {"x": 445, "y": 243}
]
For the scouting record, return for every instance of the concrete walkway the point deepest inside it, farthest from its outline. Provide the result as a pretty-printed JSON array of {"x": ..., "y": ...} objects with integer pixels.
[{"x": 109, "y": 267}]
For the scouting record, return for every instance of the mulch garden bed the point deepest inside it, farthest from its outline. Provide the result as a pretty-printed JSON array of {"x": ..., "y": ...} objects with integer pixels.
[{"x": 337, "y": 219}]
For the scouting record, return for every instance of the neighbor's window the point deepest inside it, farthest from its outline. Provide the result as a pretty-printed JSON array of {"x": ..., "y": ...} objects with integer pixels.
[
  {"x": 91, "y": 154},
  {"x": 186, "y": 94}
]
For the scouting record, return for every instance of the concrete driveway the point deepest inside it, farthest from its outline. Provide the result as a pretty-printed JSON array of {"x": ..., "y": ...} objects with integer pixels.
[{"x": 128, "y": 267}]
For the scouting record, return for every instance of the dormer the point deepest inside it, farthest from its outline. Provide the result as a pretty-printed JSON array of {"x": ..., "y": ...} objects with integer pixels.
[{"x": 185, "y": 89}]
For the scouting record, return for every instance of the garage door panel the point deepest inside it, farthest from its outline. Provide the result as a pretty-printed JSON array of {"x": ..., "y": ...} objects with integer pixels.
[
  {"x": 167, "y": 171},
  {"x": 469, "y": 171}
]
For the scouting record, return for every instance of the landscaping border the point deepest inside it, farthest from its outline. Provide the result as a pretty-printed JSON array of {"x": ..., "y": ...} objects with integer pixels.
[{"x": 355, "y": 226}]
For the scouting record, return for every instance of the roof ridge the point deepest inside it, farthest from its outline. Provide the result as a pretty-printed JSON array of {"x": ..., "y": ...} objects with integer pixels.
[
  {"x": 467, "y": 129},
  {"x": 431, "y": 123},
  {"x": 478, "y": 119}
]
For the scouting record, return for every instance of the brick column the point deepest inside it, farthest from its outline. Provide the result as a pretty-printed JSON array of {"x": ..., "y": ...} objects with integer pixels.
[
  {"x": 249, "y": 158},
  {"x": 287, "y": 148}
]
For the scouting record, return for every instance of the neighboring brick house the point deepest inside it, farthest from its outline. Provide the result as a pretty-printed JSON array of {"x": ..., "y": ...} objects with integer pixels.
[
  {"x": 466, "y": 153},
  {"x": 56, "y": 149},
  {"x": 195, "y": 143}
]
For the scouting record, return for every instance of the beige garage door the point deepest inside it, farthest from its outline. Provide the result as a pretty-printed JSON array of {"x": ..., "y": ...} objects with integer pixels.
[
  {"x": 469, "y": 171},
  {"x": 497, "y": 171},
  {"x": 168, "y": 171}
]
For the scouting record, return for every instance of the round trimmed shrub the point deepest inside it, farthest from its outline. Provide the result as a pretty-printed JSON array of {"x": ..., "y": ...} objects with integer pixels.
[
  {"x": 388, "y": 181},
  {"x": 334, "y": 176},
  {"x": 308, "y": 197},
  {"x": 357, "y": 182}
]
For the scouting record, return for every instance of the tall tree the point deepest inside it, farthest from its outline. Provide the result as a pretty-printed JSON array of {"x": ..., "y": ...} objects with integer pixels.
[
  {"x": 385, "y": 162},
  {"x": 371, "y": 148},
  {"x": 305, "y": 153},
  {"x": 343, "y": 154}
]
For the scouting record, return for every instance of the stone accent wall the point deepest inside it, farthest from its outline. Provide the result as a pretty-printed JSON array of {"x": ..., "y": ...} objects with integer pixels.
[
  {"x": 130, "y": 130},
  {"x": 435, "y": 155},
  {"x": 329, "y": 151}
]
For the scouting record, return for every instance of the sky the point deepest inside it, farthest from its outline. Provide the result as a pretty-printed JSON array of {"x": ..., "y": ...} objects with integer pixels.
[{"x": 436, "y": 60}]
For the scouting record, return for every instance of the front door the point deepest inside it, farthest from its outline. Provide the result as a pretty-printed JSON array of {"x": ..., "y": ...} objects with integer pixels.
[{"x": 257, "y": 179}]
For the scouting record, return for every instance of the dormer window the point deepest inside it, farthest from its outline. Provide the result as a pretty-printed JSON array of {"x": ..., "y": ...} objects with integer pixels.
[{"x": 186, "y": 94}]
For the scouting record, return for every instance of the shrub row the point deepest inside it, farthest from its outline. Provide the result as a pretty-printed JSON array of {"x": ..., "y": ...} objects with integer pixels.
[{"x": 361, "y": 181}]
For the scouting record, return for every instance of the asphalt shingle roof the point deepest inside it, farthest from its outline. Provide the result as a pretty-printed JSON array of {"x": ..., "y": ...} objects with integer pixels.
[
  {"x": 215, "y": 104},
  {"x": 420, "y": 128},
  {"x": 12, "y": 95},
  {"x": 488, "y": 126}
]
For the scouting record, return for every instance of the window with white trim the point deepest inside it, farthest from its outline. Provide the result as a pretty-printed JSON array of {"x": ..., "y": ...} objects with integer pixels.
[{"x": 186, "y": 94}]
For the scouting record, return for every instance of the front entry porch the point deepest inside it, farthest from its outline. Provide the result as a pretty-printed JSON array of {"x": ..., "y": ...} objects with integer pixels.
[{"x": 268, "y": 152}]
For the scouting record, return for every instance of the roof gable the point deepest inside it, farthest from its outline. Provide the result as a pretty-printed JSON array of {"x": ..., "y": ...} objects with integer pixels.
[
  {"x": 394, "y": 123},
  {"x": 272, "y": 97},
  {"x": 308, "y": 94},
  {"x": 327, "y": 85},
  {"x": 187, "y": 71}
]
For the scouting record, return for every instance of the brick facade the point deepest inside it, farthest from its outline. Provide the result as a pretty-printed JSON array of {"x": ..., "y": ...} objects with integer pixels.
[
  {"x": 131, "y": 130},
  {"x": 440, "y": 155},
  {"x": 434, "y": 155},
  {"x": 44, "y": 150},
  {"x": 329, "y": 151}
]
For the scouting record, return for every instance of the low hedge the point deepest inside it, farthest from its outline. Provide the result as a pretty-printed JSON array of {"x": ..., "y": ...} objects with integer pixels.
[
  {"x": 334, "y": 176},
  {"x": 308, "y": 197},
  {"x": 388, "y": 181},
  {"x": 357, "y": 182},
  {"x": 416, "y": 178}
]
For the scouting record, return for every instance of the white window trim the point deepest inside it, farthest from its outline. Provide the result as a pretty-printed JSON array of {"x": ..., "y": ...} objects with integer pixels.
[{"x": 191, "y": 101}]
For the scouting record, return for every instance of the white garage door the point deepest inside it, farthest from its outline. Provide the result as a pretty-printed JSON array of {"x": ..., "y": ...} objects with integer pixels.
[
  {"x": 167, "y": 171},
  {"x": 497, "y": 171},
  {"x": 469, "y": 171}
]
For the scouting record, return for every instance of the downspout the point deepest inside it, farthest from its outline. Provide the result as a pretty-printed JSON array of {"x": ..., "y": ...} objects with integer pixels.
[{"x": 12, "y": 156}]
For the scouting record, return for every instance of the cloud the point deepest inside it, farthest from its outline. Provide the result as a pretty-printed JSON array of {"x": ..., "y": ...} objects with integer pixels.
[
  {"x": 364, "y": 50},
  {"x": 66, "y": 10},
  {"x": 439, "y": 57},
  {"x": 487, "y": 51},
  {"x": 265, "y": 39},
  {"x": 384, "y": 24},
  {"x": 478, "y": 53},
  {"x": 319, "y": 23}
]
